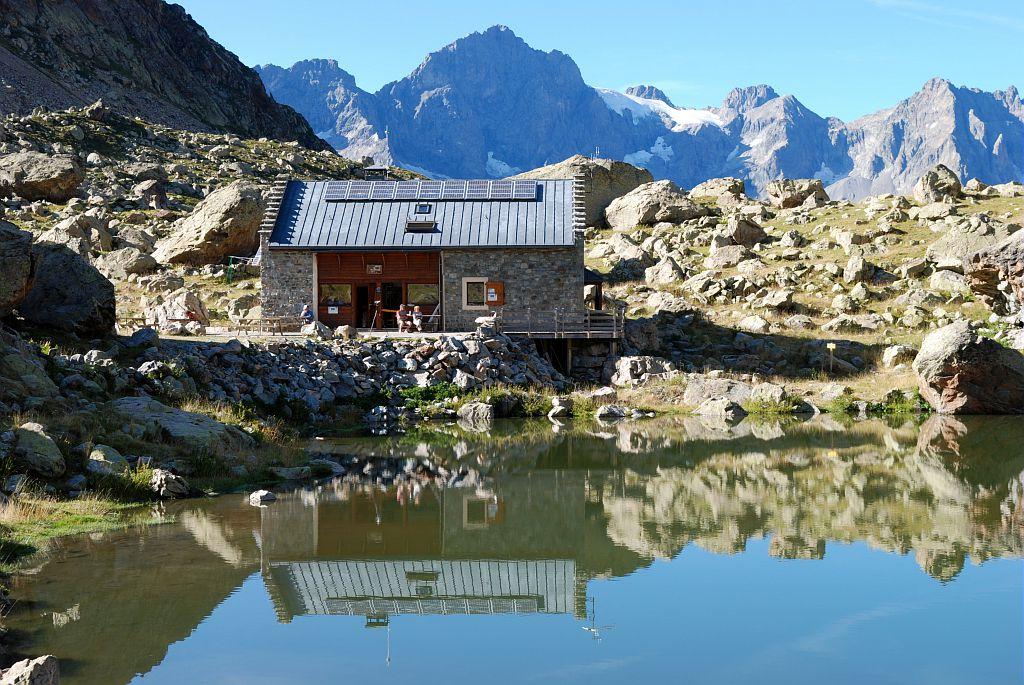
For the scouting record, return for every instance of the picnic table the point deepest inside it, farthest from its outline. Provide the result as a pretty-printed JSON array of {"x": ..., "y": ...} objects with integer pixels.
[{"x": 274, "y": 325}]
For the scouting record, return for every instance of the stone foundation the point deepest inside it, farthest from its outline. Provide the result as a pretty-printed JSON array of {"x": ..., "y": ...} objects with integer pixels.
[{"x": 288, "y": 280}]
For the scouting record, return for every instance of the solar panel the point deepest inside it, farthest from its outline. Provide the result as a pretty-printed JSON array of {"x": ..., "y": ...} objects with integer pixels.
[
  {"x": 454, "y": 190},
  {"x": 478, "y": 190},
  {"x": 430, "y": 190},
  {"x": 383, "y": 190},
  {"x": 524, "y": 190},
  {"x": 407, "y": 190},
  {"x": 501, "y": 190},
  {"x": 336, "y": 191},
  {"x": 359, "y": 190}
]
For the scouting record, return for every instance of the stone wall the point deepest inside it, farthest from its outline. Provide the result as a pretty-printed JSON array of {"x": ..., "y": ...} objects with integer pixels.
[
  {"x": 288, "y": 279},
  {"x": 541, "y": 279}
]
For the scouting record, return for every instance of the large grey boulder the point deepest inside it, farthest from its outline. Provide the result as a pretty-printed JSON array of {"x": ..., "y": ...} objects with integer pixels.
[
  {"x": 700, "y": 388},
  {"x": 665, "y": 272},
  {"x": 967, "y": 238},
  {"x": 224, "y": 224},
  {"x": 476, "y": 415},
  {"x": 35, "y": 176},
  {"x": 105, "y": 461},
  {"x": 937, "y": 185},
  {"x": 742, "y": 231},
  {"x": 960, "y": 372},
  {"x": 652, "y": 203},
  {"x": 996, "y": 274},
  {"x": 69, "y": 293},
  {"x": 796, "y": 192},
  {"x": 44, "y": 670},
  {"x": 181, "y": 306},
  {"x": 167, "y": 485},
  {"x": 122, "y": 263},
  {"x": 185, "y": 427},
  {"x": 607, "y": 179},
  {"x": 727, "y": 192},
  {"x": 639, "y": 369},
  {"x": 18, "y": 266},
  {"x": 37, "y": 451}
]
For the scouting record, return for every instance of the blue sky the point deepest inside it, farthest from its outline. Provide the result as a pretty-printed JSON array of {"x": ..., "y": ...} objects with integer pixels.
[{"x": 842, "y": 58}]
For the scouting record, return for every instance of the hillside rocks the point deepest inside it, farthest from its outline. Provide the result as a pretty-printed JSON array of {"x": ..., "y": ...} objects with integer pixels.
[
  {"x": 18, "y": 266},
  {"x": 650, "y": 203},
  {"x": 222, "y": 225},
  {"x": 727, "y": 192},
  {"x": 966, "y": 237},
  {"x": 937, "y": 185},
  {"x": 805, "y": 192},
  {"x": 178, "y": 425},
  {"x": 69, "y": 293},
  {"x": 36, "y": 176},
  {"x": 996, "y": 274},
  {"x": 606, "y": 179},
  {"x": 960, "y": 372},
  {"x": 42, "y": 671},
  {"x": 37, "y": 451}
]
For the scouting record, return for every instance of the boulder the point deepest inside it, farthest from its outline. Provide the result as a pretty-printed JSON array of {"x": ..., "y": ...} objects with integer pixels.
[
  {"x": 122, "y": 263},
  {"x": 933, "y": 211},
  {"x": 700, "y": 388},
  {"x": 724, "y": 257},
  {"x": 607, "y": 179},
  {"x": 967, "y": 238},
  {"x": 105, "y": 461},
  {"x": 226, "y": 223},
  {"x": 937, "y": 185},
  {"x": 476, "y": 413},
  {"x": 317, "y": 330},
  {"x": 947, "y": 281},
  {"x": 37, "y": 451},
  {"x": 960, "y": 372},
  {"x": 727, "y": 192},
  {"x": 19, "y": 266},
  {"x": 857, "y": 270},
  {"x": 896, "y": 356},
  {"x": 35, "y": 176},
  {"x": 652, "y": 203},
  {"x": 167, "y": 485},
  {"x": 722, "y": 408},
  {"x": 179, "y": 307},
  {"x": 788, "y": 192},
  {"x": 261, "y": 498},
  {"x": 182, "y": 426},
  {"x": 665, "y": 272},
  {"x": 744, "y": 232},
  {"x": 638, "y": 369},
  {"x": 996, "y": 274},
  {"x": 42, "y": 671},
  {"x": 69, "y": 293}
]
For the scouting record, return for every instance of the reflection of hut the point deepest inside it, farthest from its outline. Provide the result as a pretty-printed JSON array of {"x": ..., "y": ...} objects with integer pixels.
[{"x": 458, "y": 551}]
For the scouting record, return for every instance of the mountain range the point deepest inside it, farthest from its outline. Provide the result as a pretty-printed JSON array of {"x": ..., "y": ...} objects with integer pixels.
[
  {"x": 144, "y": 58},
  {"x": 489, "y": 105}
]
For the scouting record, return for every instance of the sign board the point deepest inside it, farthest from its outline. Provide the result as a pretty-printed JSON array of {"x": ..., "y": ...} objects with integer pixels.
[
  {"x": 332, "y": 310},
  {"x": 373, "y": 269},
  {"x": 495, "y": 293}
]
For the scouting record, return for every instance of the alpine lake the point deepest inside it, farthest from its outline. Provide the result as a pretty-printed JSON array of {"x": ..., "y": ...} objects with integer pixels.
[{"x": 666, "y": 550}]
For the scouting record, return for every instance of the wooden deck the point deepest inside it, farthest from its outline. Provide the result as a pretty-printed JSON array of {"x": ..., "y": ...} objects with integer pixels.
[{"x": 582, "y": 324}]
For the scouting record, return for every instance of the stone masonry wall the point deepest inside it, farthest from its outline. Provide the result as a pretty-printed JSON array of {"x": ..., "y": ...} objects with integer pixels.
[
  {"x": 288, "y": 279},
  {"x": 541, "y": 279}
]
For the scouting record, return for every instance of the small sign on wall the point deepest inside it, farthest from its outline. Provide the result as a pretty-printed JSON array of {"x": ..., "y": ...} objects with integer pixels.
[
  {"x": 374, "y": 269},
  {"x": 495, "y": 293},
  {"x": 332, "y": 310}
]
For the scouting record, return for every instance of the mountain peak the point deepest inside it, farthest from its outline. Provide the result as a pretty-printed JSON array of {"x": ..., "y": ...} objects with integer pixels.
[
  {"x": 743, "y": 99},
  {"x": 649, "y": 93}
]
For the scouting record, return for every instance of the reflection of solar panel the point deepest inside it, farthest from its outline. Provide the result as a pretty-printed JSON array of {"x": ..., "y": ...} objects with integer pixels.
[
  {"x": 383, "y": 191},
  {"x": 501, "y": 190},
  {"x": 454, "y": 190},
  {"x": 524, "y": 190},
  {"x": 430, "y": 190}
]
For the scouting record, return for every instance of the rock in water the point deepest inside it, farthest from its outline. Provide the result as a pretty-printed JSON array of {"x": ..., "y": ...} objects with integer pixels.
[
  {"x": 937, "y": 185},
  {"x": 651, "y": 203},
  {"x": 477, "y": 413},
  {"x": 35, "y": 176},
  {"x": 261, "y": 497},
  {"x": 69, "y": 293},
  {"x": 607, "y": 179},
  {"x": 960, "y": 372},
  {"x": 42, "y": 671},
  {"x": 19, "y": 266},
  {"x": 224, "y": 224},
  {"x": 996, "y": 274},
  {"x": 167, "y": 485}
]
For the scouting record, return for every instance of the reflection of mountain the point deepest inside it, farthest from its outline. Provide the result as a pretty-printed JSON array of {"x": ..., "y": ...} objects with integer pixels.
[{"x": 545, "y": 514}]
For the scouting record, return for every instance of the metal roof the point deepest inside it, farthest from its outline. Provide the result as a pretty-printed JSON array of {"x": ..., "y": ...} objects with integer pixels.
[{"x": 307, "y": 221}]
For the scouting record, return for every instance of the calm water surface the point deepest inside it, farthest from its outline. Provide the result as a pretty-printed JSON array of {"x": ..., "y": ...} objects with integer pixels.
[{"x": 668, "y": 551}]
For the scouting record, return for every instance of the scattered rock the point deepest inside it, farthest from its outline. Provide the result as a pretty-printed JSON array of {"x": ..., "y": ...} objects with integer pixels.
[
  {"x": 69, "y": 293},
  {"x": 36, "y": 176},
  {"x": 652, "y": 203},
  {"x": 183, "y": 426},
  {"x": 37, "y": 451},
  {"x": 937, "y": 185},
  {"x": 787, "y": 193},
  {"x": 42, "y": 671},
  {"x": 105, "y": 461},
  {"x": 261, "y": 498},
  {"x": 167, "y": 485},
  {"x": 19, "y": 267}
]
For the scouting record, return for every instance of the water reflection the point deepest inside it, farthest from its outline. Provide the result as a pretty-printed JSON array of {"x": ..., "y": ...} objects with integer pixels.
[{"x": 543, "y": 516}]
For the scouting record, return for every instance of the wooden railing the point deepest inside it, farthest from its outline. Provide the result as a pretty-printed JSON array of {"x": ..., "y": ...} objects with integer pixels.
[{"x": 560, "y": 323}]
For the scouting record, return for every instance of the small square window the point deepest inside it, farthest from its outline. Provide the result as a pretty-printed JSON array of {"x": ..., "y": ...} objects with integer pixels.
[
  {"x": 424, "y": 208},
  {"x": 474, "y": 293}
]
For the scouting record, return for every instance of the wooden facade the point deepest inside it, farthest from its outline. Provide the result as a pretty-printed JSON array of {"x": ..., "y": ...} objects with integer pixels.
[{"x": 364, "y": 289}]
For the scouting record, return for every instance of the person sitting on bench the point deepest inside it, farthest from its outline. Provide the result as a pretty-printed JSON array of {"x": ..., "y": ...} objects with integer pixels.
[
  {"x": 402, "y": 316},
  {"x": 417, "y": 318},
  {"x": 307, "y": 314}
]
